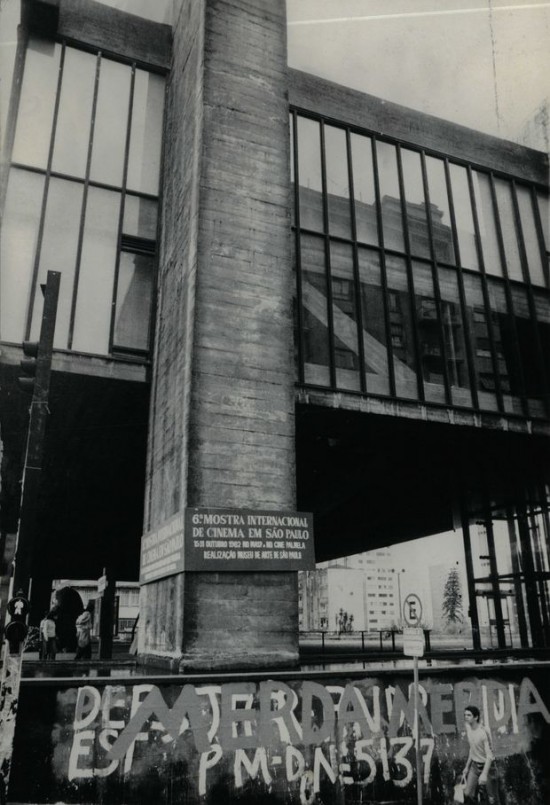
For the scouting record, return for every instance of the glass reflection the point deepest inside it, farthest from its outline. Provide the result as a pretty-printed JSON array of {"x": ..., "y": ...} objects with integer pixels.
[
  {"x": 390, "y": 197},
  {"x": 140, "y": 217},
  {"x": 146, "y": 133},
  {"x": 315, "y": 311},
  {"x": 454, "y": 338},
  {"x": 374, "y": 323},
  {"x": 530, "y": 237},
  {"x": 133, "y": 302},
  {"x": 401, "y": 328},
  {"x": 506, "y": 348},
  {"x": 487, "y": 226},
  {"x": 59, "y": 252},
  {"x": 75, "y": 113},
  {"x": 544, "y": 210},
  {"x": 542, "y": 308},
  {"x": 338, "y": 195},
  {"x": 17, "y": 250},
  {"x": 415, "y": 203},
  {"x": 440, "y": 212},
  {"x": 111, "y": 123},
  {"x": 97, "y": 269},
  {"x": 36, "y": 104},
  {"x": 432, "y": 360},
  {"x": 309, "y": 170},
  {"x": 528, "y": 352},
  {"x": 508, "y": 227},
  {"x": 364, "y": 190},
  {"x": 481, "y": 345},
  {"x": 344, "y": 317},
  {"x": 464, "y": 218}
]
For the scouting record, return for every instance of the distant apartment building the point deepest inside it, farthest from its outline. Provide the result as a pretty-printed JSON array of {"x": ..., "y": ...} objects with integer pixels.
[{"x": 363, "y": 588}]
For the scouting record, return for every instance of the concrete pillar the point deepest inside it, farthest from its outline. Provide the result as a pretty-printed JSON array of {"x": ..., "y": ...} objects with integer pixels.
[{"x": 222, "y": 406}]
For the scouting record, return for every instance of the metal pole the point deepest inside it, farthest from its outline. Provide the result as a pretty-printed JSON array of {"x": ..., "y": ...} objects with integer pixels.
[{"x": 417, "y": 735}]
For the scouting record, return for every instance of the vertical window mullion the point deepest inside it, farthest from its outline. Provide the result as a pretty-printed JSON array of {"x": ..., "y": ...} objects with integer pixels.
[
  {"x": 410, "y": 278},
  {"x": 461, "y": 291},
  {"x": 84, "y": 203},
  {"x": 485, "y": 292},
  {"x": 383, "y": 275},
  {"x": 298, "y": 249},
  {"x": 40, "y": 234},
  {"x": 13, "y": 110},
  {"x": 328, "y": 273},
  {"x": 509, "y": 299},
  {"x": 356, "y": 277},
  {"x": 435, "y": 280},
  {"x": 121, "y": 210}
]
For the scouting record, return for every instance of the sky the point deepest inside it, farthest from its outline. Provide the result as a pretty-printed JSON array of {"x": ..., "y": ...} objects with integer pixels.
[{"x": 481, "y": 63}]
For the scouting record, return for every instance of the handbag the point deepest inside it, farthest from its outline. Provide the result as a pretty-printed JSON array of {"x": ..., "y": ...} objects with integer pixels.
[{"x": 459, "y": 792}]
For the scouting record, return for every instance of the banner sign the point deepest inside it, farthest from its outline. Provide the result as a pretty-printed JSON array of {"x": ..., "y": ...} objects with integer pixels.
[
  {"x": 162, "y": 551},
  {"x": 248, "y": 539},
  {"x": 316, "y": 740}
]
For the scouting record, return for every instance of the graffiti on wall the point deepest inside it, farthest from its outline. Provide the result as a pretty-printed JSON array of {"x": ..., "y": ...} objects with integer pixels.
[{"x": 301, "y": 741}]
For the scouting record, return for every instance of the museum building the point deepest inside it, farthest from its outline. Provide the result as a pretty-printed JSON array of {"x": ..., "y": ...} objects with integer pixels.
[{"x": 277, "y": 294}]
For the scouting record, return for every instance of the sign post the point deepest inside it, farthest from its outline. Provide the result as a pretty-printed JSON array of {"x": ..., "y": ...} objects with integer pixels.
[{"x": 413, "y": 646}]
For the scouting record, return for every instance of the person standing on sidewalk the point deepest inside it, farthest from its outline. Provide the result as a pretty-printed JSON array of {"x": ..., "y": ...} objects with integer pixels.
[
  {"x": 479, "y": 770},
  {"x": 84, "y": 634},
  {"x": 47, "y": 633}
]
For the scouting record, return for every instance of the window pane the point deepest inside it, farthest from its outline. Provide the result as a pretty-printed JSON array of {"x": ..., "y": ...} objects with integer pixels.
[
  {"x": 36, "y": 106},
  {"x": 17, "y": 250},
  {"x": 542, "y": 307},
  {"x": 401, "y": 328},
  {"x": 544, "y": 209},
  {"x": 344, "y": 317},
  {"x": 439, "y": 211},
  {"x": 133, "y": 301},
  {"x": 315, "y": 311},
  {"x": 111, "y": 123},
  {"x": 336, "y": 161},
  {"x": 390, "y": 196},
  {"x": 75, "y": 110},
  {"x": 146, "y": 133},
  {"x": 462, "y": 202},
  {"x": 528, "y": 350},
  {"x": 374, "y": 325},
  {"x": 454, "y": 337},
  {"x": 309, "y": 168},
  {"x": 429, "y": 334},
  {"x": 506, "y": 347},
  {"x": 97, "y": 269},
  {"x": 140, "y": 217},
  {"x": 58, "y": 253},
  {"x": 530, "y": 237},
  {"x": 415, "y": 203},
  {"x": 508, "y": 226},
  {"x": 363, "y": 187},
  {"x": 487, "y": 226},
  {"x": 481, "y": 345}
]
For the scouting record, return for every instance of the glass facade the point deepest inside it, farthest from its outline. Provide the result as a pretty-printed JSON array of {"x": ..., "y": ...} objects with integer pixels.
[
  {"x": 82, "y": 199},
  {"x": 418, "y": 277}
]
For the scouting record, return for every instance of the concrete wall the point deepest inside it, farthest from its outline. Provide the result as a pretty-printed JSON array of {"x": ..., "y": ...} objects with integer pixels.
[
  {"x": 334, "y": 738},
  {"x": 222, "y": 420}
]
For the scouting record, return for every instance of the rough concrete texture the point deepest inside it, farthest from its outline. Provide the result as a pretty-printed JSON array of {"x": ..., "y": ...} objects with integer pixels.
[{"x": 222, "y": 421}]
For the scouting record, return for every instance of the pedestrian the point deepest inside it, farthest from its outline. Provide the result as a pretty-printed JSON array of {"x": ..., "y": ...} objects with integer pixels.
[
  {"x": 479, "y": 771},
  {"x": 47, "y": 633},
  {"x": 84, "y": 633}
]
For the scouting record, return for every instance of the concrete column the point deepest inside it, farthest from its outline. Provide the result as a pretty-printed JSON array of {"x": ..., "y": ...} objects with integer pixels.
[{"x": 222, "y": 406}]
